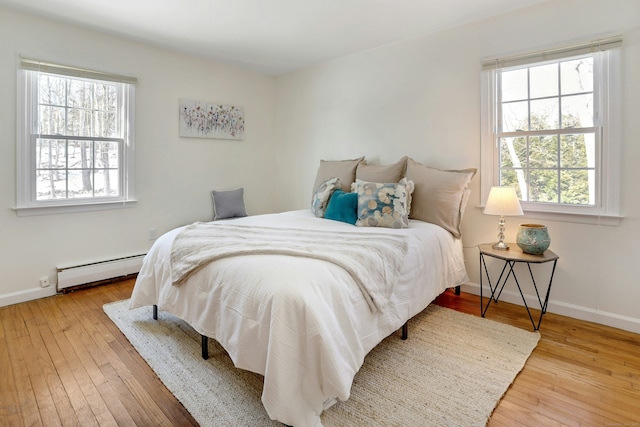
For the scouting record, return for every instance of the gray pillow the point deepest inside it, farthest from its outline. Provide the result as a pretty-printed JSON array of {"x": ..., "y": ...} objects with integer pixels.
[
  {"x": 228, "y": 204},
  {"x": 382, "y": 174},
  {"x": 345, "y": 170},
  {"x": 440, "y": 196}
]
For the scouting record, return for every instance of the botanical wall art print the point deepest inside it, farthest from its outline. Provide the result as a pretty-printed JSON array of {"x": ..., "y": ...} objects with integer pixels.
[{"x": 207, "y": 120}]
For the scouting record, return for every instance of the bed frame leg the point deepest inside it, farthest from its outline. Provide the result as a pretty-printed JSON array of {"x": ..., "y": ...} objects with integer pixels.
[
  {"x": 457, "y": 291},
  {"x": 405, "y": 330},
  {"x": 155, "y": 312},
  {"x": 205, "y": 347}
]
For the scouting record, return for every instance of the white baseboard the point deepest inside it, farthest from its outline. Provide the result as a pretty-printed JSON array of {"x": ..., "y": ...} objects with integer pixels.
[
  {"x": 627, "y": 323},
  {"x": 27, "y": 295}
]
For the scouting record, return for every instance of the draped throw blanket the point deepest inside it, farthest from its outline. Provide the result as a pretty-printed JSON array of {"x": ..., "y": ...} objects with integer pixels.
[{"x": 373, "y": 259}]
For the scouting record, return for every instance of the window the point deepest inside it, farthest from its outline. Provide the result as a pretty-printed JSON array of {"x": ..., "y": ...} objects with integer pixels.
[
  {"x": 75, "y": 139},
  {"x": 550, "y": 129}
]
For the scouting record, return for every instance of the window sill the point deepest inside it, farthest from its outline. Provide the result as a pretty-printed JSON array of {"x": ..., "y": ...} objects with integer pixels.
[
  {"x": 60, "y": 209},
  {"x": 609, "y": 220}
]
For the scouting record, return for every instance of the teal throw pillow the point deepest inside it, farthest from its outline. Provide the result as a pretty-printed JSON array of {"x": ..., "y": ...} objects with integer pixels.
[{"x": 342, "y": 207}]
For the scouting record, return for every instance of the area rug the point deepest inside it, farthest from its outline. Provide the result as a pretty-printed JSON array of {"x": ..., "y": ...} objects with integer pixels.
[{"x": 452, "y": 371}]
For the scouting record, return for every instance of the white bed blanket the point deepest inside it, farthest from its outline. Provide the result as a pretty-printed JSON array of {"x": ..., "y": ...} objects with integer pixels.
[
  {"x": 301, "y": 322},
  {"x": 372, "y": 259}
]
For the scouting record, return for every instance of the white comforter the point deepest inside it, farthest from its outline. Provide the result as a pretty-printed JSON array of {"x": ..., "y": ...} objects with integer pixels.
[
  {"x": 373, "y": 259},
  {"x": 301, "y": 322}
]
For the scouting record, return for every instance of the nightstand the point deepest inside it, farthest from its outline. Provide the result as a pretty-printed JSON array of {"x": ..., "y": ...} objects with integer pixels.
[{"x": 511, "y": 257}]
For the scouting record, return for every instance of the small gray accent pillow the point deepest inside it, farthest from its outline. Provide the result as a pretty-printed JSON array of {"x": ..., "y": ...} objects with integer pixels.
[{"x": 228, "y": 204}]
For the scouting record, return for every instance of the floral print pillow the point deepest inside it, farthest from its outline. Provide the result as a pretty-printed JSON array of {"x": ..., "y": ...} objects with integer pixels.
[
  {"x": 322, "y": 195},
  {"x": 383, "y": 204}
]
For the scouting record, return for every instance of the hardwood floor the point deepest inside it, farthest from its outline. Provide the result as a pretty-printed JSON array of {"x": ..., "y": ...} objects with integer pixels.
[
  {"x": 580, "y": 374},
  {"x": 64, "y": 363}
]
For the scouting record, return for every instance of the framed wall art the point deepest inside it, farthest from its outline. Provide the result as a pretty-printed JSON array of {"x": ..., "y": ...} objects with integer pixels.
[{"x": 200, "y": 119}]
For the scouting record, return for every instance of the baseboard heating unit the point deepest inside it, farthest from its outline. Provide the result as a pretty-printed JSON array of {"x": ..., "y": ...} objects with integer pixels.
[{"x": 95, "y": 272}]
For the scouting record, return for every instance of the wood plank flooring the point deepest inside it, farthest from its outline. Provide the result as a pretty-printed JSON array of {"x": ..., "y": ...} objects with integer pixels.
[
  {"x": 64, "y": 363},
  {"x": 580, "y": 374}
]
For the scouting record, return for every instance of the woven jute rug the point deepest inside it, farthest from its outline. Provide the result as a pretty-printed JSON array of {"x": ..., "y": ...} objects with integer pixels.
[{"x": 452, "y": 371}]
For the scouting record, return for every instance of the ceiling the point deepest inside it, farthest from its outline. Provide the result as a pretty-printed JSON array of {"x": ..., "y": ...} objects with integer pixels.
[{"x": 269, "y": 36}]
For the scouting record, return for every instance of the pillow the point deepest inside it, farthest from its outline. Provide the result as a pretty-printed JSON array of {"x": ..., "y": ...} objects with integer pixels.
[
  {"x": 410, "y": 189},
  {"x": 228, "y": 204},
  {"x": 342, "y": 207},
  {"x": 409, "y": 184},
  {"x": 439, "y": 196},
  {"x": 345, "y": 170},
  {"x": 382, "y": 205},
  {"x": 390, "y": 173},
  {"x": 322, "y": 195}
]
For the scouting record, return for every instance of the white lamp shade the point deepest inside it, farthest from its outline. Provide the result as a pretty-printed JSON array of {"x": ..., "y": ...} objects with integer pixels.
[{"x": 503, "y": 201}]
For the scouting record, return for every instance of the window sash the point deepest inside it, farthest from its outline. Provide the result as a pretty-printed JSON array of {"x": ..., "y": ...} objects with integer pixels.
[{"x": 91, "y": 168}]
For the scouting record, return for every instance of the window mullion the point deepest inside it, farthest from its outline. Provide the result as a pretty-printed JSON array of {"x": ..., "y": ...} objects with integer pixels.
[
  {"x": 559, "y": 163},
  {"x": 526, "y": 171},
  {"x": 497, "y": 128},
  {"x": 560, "y": 124},
  {"x": 93, "y": 168},
  {"x": 528, "y": 99},
  {"x": 547, "y": 132}
]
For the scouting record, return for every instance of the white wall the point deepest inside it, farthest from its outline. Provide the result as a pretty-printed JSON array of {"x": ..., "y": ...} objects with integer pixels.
[
  {"x": 418, "y": 98},
  {"x": 422, "y": 98},
  {"x": 173, "y": 175}
]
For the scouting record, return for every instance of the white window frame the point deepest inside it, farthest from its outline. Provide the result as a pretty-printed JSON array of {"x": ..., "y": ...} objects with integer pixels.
[
  {"x": 607, "y": 112},
  {"x": 27, "y": 110}
]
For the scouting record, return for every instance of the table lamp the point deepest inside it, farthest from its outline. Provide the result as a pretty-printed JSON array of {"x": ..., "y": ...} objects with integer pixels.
[{"x": 502, "y": 201}]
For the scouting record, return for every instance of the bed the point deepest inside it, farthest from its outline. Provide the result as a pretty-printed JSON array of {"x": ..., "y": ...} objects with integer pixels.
[{"x": 302, "y": 315}]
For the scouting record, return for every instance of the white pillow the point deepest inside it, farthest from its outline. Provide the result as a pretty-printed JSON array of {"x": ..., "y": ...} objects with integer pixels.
[{"x": 322, "y": 195}]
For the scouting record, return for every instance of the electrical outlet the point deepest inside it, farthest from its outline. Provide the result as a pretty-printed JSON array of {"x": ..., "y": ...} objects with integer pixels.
[
  {"x": 153, "y": 234},
  {"x": 44, "y": 282}
]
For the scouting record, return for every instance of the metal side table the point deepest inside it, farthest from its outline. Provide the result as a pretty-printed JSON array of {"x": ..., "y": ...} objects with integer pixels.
[{"x": 511, "y": 257}]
